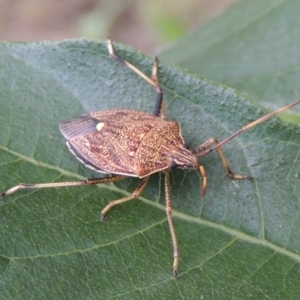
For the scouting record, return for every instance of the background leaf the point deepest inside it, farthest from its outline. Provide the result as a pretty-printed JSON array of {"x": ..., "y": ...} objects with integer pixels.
[
  {"x": 253, "y": 47},
  {"x": 241, "y": 241}
]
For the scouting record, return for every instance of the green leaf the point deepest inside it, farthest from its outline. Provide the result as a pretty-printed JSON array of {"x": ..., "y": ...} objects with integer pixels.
[
  {"x": 253, "y": 47},
  {"x": 240, "y": 241}
]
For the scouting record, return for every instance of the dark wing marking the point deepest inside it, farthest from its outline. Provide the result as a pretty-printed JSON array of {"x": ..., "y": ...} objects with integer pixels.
[{"x": 78, "y": 126}]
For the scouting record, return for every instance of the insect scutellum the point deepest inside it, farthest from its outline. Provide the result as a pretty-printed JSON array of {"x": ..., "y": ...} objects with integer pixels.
[{"x": 146, "y": 145}]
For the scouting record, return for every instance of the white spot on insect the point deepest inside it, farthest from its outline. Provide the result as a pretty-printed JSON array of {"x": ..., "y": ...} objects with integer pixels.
[
  {"x": 99, "y": 126},
  {"x": 131, "y": 153}
]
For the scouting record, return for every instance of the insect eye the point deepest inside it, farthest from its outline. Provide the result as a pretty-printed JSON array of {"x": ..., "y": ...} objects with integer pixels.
[
  {"x": 189, "y": 166},
  {"x": 185, "y": 146},
  {"x": 173, "y": 164}
]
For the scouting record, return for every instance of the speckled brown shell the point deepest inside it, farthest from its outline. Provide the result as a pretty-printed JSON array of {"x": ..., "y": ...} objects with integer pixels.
[{"x": 122, "y": 141}]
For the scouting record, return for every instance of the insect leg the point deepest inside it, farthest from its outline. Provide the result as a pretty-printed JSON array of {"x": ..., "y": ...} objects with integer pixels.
[
  {"x": 171, "y": 226},
  {"x": 92, "y": 181},
  {"x": 153, "y": 81},
  {"x": 204, "y": 184},
  {"x": 247, "y": 127},
  {"x": 160, "y": 108},
  {"x": 135, "y": 194},
  {"x": 199, "y": 152}
]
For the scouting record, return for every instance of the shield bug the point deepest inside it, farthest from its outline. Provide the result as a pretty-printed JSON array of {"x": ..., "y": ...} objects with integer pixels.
[{"x": 136, "y": 144}]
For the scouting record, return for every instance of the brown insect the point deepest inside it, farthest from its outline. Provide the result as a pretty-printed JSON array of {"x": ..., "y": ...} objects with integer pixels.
[{"x": 133, "y": 143}]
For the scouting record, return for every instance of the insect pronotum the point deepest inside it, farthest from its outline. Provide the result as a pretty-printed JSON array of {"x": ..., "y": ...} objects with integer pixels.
[{"x": 133, "y": 143}]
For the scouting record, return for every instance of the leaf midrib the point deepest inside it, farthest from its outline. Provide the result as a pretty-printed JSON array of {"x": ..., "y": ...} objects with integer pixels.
[{"x": 238, "y": 234}]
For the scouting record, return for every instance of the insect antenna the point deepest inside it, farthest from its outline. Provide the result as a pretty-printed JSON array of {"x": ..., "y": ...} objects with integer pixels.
[{"x": 247, "y": 127}]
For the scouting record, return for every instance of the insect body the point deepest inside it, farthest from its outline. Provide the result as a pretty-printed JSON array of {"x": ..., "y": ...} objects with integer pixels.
[
  {"x": 136, "y": 144},
  {"x": 127, "y": 142}
]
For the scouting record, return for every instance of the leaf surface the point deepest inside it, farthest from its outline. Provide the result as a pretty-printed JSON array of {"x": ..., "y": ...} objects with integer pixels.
[{"x": 240, "y": 241}]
